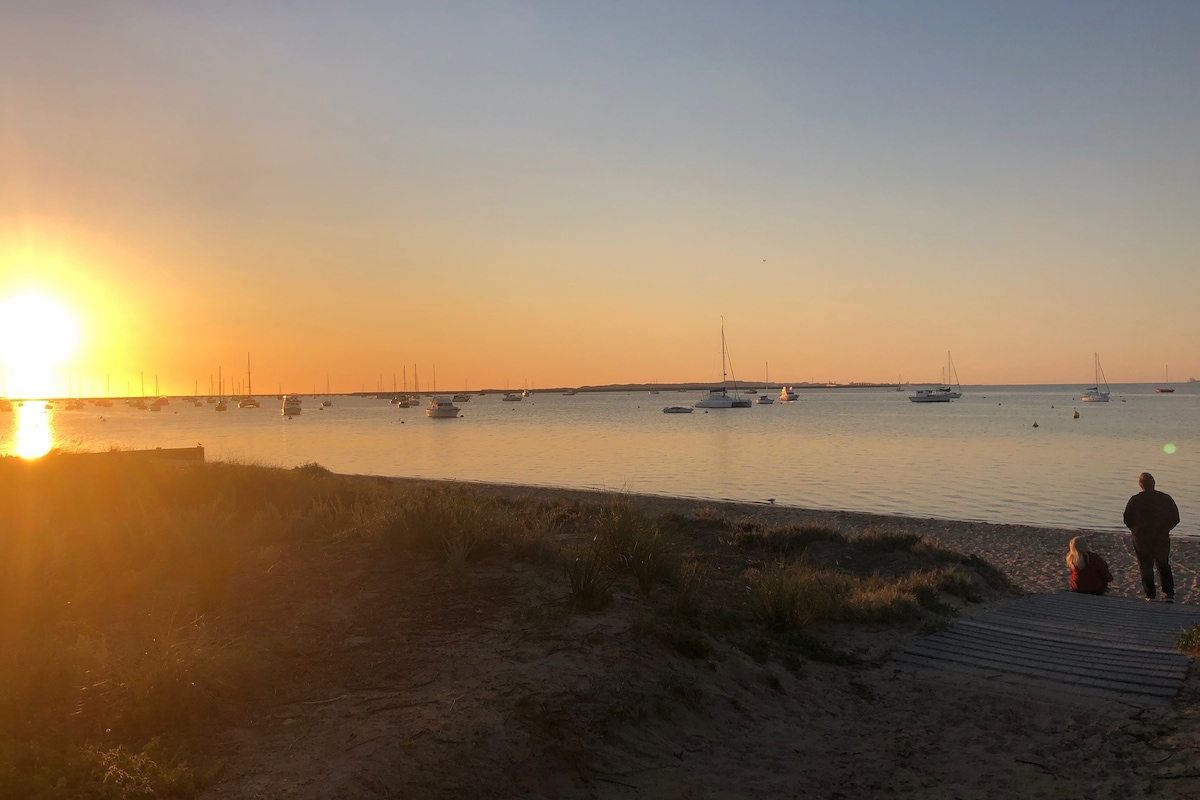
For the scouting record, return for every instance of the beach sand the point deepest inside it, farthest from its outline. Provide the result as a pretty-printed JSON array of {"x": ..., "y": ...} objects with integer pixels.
[{"x": 412, "y": 681}]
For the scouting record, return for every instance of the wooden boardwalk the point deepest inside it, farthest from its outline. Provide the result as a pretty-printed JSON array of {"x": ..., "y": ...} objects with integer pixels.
[{"x": 1108, "y": 647}]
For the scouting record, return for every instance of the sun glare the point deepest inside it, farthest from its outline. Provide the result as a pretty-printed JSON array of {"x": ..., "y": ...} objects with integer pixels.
[
  {"x": 36, "y": 334},
  {"x": 33, "y": 437}
]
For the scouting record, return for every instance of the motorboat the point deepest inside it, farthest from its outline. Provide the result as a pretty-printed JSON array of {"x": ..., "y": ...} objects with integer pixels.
[
  {"x": 291, "y": 405},
  {"x": 787, "y": 394},
  {"x": 1095, "y": 394},
  {"x": 677, "y": 410},
  {"x": 248, "y": 402},
  {"x": 570, "y": 393},
  {"x": 461, "y": 398},
  {"x": 326, "y": 403},
  {"x": 930, "y": 396},
  {"x": 717, "y": 398},
  {"x": 512, "y": 397},
  {"x": 764, "y": 400},
  {"x": 441, "y": 407}
]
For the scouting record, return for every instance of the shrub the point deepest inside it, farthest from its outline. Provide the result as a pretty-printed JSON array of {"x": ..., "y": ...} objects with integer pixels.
[{"x": 1189, "y": 641}]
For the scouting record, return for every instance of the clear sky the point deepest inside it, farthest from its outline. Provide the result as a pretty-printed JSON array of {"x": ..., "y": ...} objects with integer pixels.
[{"x": 565, "y": 193}]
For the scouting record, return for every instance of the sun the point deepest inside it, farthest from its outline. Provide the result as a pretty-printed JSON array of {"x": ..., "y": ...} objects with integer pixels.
[{"x": 36, "y": 333}]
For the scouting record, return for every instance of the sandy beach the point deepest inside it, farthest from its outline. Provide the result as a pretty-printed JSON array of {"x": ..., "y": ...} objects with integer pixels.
[{"x": 414, "y": 682}]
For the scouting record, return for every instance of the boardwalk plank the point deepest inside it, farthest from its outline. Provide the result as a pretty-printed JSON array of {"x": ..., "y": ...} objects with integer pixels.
[{"x": 1110, "y": 648}]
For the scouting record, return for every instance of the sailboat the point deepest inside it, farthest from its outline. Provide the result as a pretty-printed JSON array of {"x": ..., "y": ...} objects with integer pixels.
[
  {"x": 1094, "y": 394},
  {"x": 952, "y": 393},
  {"x": 221, "y": 404},
  {"x": 248, "y": 401},
  {"x": 765, "y": 399},
  {"x": 1167, "y": 380},
  {"x": 719, "y": 398}
]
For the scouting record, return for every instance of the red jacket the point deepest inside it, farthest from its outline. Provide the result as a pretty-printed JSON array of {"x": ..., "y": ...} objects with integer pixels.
[{"x": 1094, "y": 576}]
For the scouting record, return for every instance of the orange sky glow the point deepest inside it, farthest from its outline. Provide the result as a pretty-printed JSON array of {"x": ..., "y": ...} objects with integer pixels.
[{"x": 526, "y": 197}]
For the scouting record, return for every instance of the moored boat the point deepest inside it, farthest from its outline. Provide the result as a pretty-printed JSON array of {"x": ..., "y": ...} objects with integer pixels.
[
  {"x": 677, "y": 410},
  {"x": 787, "y": 394},
  {"x": 441, "y": 407},
  {"x": 930, "y": 396},
  {"x": 291, "y": 405},
  {"x": 717, "y": 398},
  {"x": 1095, "y": 394}
]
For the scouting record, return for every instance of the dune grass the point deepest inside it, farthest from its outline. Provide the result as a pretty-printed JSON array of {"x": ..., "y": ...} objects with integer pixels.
[{"x": 115, "y": 585}]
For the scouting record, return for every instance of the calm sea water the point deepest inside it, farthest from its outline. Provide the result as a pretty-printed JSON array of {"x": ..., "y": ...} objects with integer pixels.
[{"x": 977, "y": 458}]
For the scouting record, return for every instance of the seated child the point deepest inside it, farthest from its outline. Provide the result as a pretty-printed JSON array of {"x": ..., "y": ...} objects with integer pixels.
[{"x": 1089, "y": 572}]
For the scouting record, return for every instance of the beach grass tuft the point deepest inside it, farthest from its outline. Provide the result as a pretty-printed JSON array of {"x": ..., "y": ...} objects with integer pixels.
[{"x": 590, "y": 579}]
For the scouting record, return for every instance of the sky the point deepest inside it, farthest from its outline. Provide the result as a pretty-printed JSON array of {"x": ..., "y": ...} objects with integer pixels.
[{"x": 576, "y": 193}]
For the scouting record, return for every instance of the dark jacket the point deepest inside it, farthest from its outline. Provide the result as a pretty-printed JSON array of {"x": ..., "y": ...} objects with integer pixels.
[
  {"x": 1094, "y": 577},
  {"x": 1150, "y": 515}
]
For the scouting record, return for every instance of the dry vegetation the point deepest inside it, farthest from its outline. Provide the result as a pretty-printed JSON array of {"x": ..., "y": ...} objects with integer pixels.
[{"x": 141, "y": 611}]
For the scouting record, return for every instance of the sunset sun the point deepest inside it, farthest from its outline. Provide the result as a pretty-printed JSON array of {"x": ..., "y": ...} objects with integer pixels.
[{"x": 36, "y": 333}]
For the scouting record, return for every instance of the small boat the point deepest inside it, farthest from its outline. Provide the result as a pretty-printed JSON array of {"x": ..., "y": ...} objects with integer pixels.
[
  {"x": 461, "y": 398},
  {"x": 326, "y": 403},
  {"x": 765, "y": 399},
  {"x": 570, "y": 393},
  {"x": 1095, "y": 394},
  {"x": 441, "y": 407},
  {"x": 930, "y": 396},
  {"x": 677, "y": 410},
  {"x": 512, "y": 397},
  {"x": 1167, "y": 380},
  {"x": 787, "y": 394}
]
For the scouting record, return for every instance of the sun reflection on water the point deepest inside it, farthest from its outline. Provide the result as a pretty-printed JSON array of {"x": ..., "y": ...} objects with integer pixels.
[{"x": 33, "y": 438}]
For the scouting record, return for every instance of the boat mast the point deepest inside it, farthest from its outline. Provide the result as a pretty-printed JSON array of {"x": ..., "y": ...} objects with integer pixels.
[
  {"x": 249, "y": 389},
  {"x": 724, "y": 380}
]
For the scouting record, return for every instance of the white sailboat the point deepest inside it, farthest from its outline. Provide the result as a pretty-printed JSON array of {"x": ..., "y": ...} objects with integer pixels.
[
  {"x": 1095, "y": 394},
  {"x": 248, "y": 401},
  {"x": 955, "y": 392},
  {"x": 719, "y": 398}
]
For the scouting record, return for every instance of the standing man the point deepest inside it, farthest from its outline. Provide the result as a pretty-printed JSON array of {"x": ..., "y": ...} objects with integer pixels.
[{"x": 1150, "y": 515}]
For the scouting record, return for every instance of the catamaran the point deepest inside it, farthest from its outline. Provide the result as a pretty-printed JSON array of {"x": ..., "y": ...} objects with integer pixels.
[{"x": 719, "y": 398}]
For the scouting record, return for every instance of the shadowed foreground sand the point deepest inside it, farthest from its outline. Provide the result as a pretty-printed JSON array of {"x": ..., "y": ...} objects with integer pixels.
[{"x": 414, "y": 681}]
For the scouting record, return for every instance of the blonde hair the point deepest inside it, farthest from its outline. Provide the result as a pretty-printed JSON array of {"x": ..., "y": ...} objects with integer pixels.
[{"x": 1077, "y": 553}]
